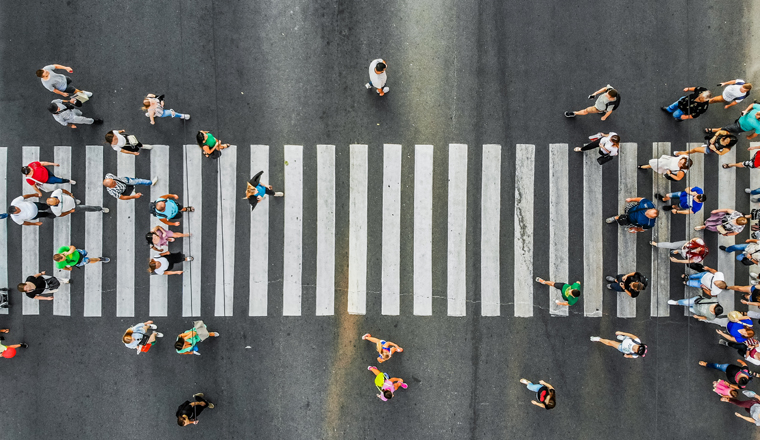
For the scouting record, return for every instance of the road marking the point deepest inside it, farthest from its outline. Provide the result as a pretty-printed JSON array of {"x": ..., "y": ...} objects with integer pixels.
[
  {"x": 391, "y": 236},
  {"x": 159, "y": 285},
  {"x": 357, "y": 231},
  {"x": 93, "y": 233},
  {"x": 225, "y": 231},
  {"x": 293, "y": 230},
  {"x": 30, "y": 238},
  {"x": 258, "y": 277},
  {"x": 423, "y": 230},
  {"x": 660, "y": 232},
  {"x": 125, "y": 237},
  {"x": 559, "y": 230},
  {"x": 325, "y": 230},
  {"x": 62, "y": 234},
  {"x": 490, "y": 220},
  {"x": 695, "y": 177},
  {"x": 4, "y": 224},
  {"x": 727, "y": 197},
  {"x": 525, "y": 158},
  {"x": 627, "y": 184},
  {"x": 193, "y": 196},
  {"x": 456, "y": 284},
  {"x": 593, "y": 219}
]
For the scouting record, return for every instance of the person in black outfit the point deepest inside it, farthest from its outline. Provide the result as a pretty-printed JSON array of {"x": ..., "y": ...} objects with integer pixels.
[
  {"x": 35, "y": 286},
  {"x": 690, "y": 106},
  {"x": 632, "y": 283},
  {"x": 256, "y": 191},
  {"x": 188, "y": 412}
]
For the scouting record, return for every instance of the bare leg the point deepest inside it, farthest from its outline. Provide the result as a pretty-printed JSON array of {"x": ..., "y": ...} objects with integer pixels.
[
  {"x": 610, "y": 343},
  {"x": 718, "y": 98},
  {"x": 375, "y": 370},
  {"x": 93, "y": 260},
  {"x": 692, "y": 151},
  {"x": 372, "y": 339},
  {"x": 586, "y": 111},
  {"x": 645, "y": 167},
  {"x": 731, "y": 165},
  {"x": 152, "y": 338}
]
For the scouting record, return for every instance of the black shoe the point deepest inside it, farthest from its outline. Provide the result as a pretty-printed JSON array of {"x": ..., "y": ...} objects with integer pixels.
[
  {"x": 24, "y": 345},
  {"x": 667, "y": 208},
  {"x": 569, "y": 114},
  {"x": 659, "y": 196},
  {"x": 665, "y": 109},
  {"x": 723, "y": 248},
  {"x": 97, "y": 121}
]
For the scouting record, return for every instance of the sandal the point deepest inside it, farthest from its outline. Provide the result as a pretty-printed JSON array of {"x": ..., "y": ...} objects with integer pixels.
[
  {"x": 653, "y": 243},
  {"x": 366, "y": 336},
  {"x": 708, "y": 130},
  {"x": 578, "y": 149},
  {"x": 539, "y": 280},
  {"x": 189, "y": 259},
  {"x": 725, "y": 166},
  {"x": 190, "y": 209}
]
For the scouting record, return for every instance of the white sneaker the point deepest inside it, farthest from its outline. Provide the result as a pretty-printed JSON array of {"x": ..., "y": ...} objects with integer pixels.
[
  {"x": 186, "y": 117},
  {"x": 749, "y": 393},
  {"x": 79, "y": 202},
  {"x": 279, "y": 194},
  {"x": 216, "y": 334},
  {"x": 153, "y": 181},
  {"x": 672, "y": 302},
  {"x": 620, "y": 337},
  {"x": 147, "y": 147},
  {"x": 595, "y": 339},
  {"x": 158, "y": 335},
  {"x": 153, "y": 326},
  {"x": 196, "y": 353},
  {"x": 89, "y": 94},
  {"x": 386, "y": 89},
  {"x": 747, "y": 190},
  {"x": 65, "y": 280},
  {"x": 753, "y": 275},
  {"x": 368, "y": 85},
  {"x": 72, "y": 181},
  {"x": 105, "y": 211}
]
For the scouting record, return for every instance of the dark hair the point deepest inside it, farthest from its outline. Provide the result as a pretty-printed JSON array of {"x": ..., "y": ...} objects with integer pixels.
[
  {"x": 12, "y": 209},
  {"x": 109, "y": 137},
  {"x": 380, "y": 66},
  {"x": 615, "y": 138},
  {"x": 642, "y": 350},
  {"x": 718, "y": 309},
  {"x": 200, "y": 138},
  {"x": 179, "y": 344},
  {"x": 700, "y": 198},
  {"x": 688, "y": 164},
  {"x": 731, "y": 140},
  {"x": 25, "y": 170},
  {"x": 149, "y": 237},
  {"x": 743, "y": 381},
  {"x": 39, "y": 73},
  {"x": 575, "y": 292},
  {"x": 612, "y": 92},
  {"x": 181, "y": 420},
  {"x": 388, "y": 394},
  {"x": 634, "y": 292},
  {"x": 20, "y": 287},
  {"x": 550, "y": 401},
  {"x": 52, "y": 107}
]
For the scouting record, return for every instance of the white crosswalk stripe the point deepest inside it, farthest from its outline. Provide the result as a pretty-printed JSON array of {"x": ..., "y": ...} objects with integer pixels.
[
  {"x": 493, "y": 298},
  {"x": 3, "y": 224},
  {"x": 727, "y": 197}
]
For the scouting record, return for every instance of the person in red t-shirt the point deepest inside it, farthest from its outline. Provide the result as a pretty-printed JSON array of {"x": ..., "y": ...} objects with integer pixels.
[{"x": 36, "y": 174}]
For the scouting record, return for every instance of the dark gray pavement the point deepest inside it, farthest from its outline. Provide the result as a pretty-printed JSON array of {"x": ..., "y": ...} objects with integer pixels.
[{"x": 293, "y": 72}]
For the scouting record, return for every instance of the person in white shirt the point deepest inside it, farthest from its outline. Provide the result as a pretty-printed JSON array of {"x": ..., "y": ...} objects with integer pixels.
[
  {"x": 63, "y": 203},
  {"x": 735, "y": 92},
  {"x": 630, "y": 345},
  {"x": 56, "y": 82},
  {"x": 710, "y": 281},
  {"x": 378, "y": 76},
  {"x": 608, "y": 144},
  {"x": 120, "y": 141},
  {"x": 22, "y": 211}
]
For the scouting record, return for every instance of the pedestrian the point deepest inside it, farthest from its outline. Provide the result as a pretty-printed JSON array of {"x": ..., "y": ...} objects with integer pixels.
[
  {"x": 41, "y": 178},
  {"x": 726, "y": 222},
  {"x": 693, "y": 251},
  {"x": 158, "y": 238},
  {"x": 723, "y": 389},
  {"x": 570, "y": 292},
  {"x": 739, "y": 328},
  {"x": 752, "y": 406},
  {"x": 751, "y": 294},
  {"x": 153, "y": 106},
  {"x": 211, "y": 147},
  {"x": 703, "y": 309},
  {"x": 750, "y": 251},
  {"x": 607, "y": 101},
  {"x": 735, "y": 91},
  {"x": 738, "y": 375},
  {"x": 22, "y": 211},
  {"x": 187, "y": 342},
  {"x": 63, "y": 203},
  {"x": 545, "y": 394},
  {"x": 9, "y": 351},
  {"x": 690, "y": 106},
  {"x": 386, "y": 385},
  {"x": 748, "y": 121},
  {"x": 608, "y": 144},
  {"x": 125, "y": 143},
  {"x": 640, "y": 214},
  {"x": 689, "y": 201},
  {"x": 188, "y": 412},
  {"x": 255, "y": 191},
  {"x": 59, "y": 83},
  {"x": 631, "y": 284},
  {"x": 68, "y": 257},
  {"x": 720, "y": 143},
  {"x": 66, "y": 113},
  {"x": 40, "y": 286},
  {"x": 385, "y": 349},
  {"x": 122, "y": 187},
  {"x": 754, "y": 162},
  {"x": 709, "y": 280},
  {"x": 630, "y": 345},
  {"x": 163, "y": 263},
  {"x": 166, "y": 208},
  {"x": 748, "y": 349},
  {"x": 671, "y": 167},
  {"x": 378, "y": 76},
  {"x": 135, "y": 337}
]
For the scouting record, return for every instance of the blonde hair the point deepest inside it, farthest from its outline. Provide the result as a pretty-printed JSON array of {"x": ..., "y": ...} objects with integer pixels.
[
  {"x": 249, "y": 189},
  {"x": 741, "y": 221}
]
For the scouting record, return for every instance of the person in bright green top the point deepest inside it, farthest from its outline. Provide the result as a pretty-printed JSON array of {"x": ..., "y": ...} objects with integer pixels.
[
  {"x": 210, "y": 145},
  {"x": 570, "y": 292},
  {"x": 69, "y": 256},
  {"x": 187, "y": 342}
]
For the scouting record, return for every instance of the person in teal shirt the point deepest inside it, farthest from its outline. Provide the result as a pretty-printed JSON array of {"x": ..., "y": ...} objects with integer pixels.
[
  {"x": 570, "y": 292},
  {"x": 166, "y": 208},
  {"x": 749, "y": 121}
]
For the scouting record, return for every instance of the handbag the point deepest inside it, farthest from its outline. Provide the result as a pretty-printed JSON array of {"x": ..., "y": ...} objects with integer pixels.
[
  {"x": 603, "y": 159},
  {"x": 81, "y": 96},
  {"x": 132, "y": 139}
]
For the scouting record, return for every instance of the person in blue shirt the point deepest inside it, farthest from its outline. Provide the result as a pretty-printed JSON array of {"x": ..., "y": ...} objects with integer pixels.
[
  {"x": 739, "y": 328},
  {"x": 640, "y": 215},
  {"x": 690, "y": 200},
  {"x": 166, "y": 208}
]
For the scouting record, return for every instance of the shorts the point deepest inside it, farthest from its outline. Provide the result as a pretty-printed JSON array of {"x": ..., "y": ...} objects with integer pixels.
[
  {"x": 83, "y": 259},
  {"x": 734, "y": 128},
  {"x": 559, "y": 286}
]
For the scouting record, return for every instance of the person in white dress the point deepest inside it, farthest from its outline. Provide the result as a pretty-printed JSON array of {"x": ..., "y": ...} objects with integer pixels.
[
  {"x": 671, "y": 167},
  {"x": 63, "y": 203},
  {"x": 378, "y": 76}
]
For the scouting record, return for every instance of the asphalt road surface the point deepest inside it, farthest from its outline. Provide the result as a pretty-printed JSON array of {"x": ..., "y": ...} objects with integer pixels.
[{"x": 292, "y": 72}]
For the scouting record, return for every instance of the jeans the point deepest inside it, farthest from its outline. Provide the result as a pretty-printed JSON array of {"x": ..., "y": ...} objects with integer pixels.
[
  {"x": 695, "y": 280},
  {"x": 616, "y": 285},
  {"x": 719, "y": 367},
  {"x": 736, "y": 248},
  {"x": 673, "y": 108},
  {"x": 688, "y": 302},
  {"x": 755, "y": 192},
  {"x": 534, "y": 386},
  {"x": 169, "y": 114},
  {"x": 136, "y": 181},
  {"x": 54, "y": 179}
]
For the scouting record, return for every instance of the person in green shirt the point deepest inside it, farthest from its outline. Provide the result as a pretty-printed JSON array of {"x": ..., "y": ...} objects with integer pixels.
[
  {"x": 69, "y": 256},
  {"x": 210, "y": 145},
  {"x": 570, "y": 292}
]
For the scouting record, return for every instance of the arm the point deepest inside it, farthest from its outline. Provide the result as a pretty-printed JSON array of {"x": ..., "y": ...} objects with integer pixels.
[
  {"x": 32, "y": 223},
  {"x": 689, "y": 89},
  {"x": 133, "y": 153},
  {"x": 29, "y": 196},
  {"x": 169, "y": 196},
  {"x": 65, "y": 191},
  {"x": 725, "y": 335},
  {"x": 606, "y": 115},
  {"x": 634, "y": 199},
  {"x": 43, "y": 298},
  {"x": 64, "y": 214},
  {"x": 134, "y": 196},
  {"x": 49, "y": 164},
  {"x": 635, "y": 229},
  {"x": 562, "y": 303},
  {"x": 602, "y": 90},
  {"x": 167, "y": 222},
  {"x": 747, "y": 418},
  {"x": 730, "y": 105},
  {"x": 538, "y": 403},
  {"x": 744, "y": 289},
  {"x": 630, "y": 335}
]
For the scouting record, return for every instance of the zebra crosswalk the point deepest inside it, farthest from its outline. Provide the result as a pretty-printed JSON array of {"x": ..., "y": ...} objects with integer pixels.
[{"x": 520, "y": 298}]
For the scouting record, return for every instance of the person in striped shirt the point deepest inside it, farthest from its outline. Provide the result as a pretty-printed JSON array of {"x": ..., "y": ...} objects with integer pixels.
[{"x": 122, "y": 187}]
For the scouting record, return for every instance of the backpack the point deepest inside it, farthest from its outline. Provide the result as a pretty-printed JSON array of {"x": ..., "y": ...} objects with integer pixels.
[{"x": 154, "y": 212}]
